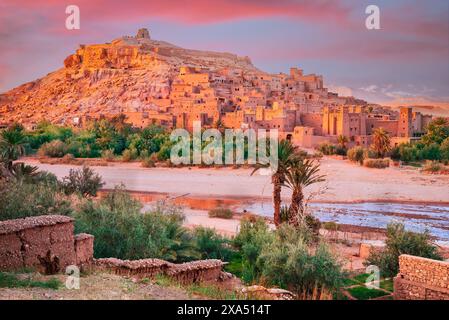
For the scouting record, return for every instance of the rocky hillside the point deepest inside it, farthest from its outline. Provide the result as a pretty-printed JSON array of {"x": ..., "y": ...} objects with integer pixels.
[{"x": 125, "y": 74}]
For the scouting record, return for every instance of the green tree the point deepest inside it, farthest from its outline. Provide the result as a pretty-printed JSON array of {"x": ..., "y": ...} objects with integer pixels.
[
  {"x": 436, "y": 132},
  {"x": 12, "y": 145},
  {"x": 299, "y": 176},
  {"x": 381, "y": 142},
  {"x": 287, "y": 157}
]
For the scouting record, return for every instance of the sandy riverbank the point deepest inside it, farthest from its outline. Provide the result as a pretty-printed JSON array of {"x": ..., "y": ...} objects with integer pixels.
[{"x": 345, "y": 182}]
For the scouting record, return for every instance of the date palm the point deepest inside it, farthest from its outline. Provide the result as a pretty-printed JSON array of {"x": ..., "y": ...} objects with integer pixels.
[
  {"x": 381, "y": 142},
  {"x": 299, "y": 176},
  {"x": 287, "y": 156},
  {"x": 11, "y": 146}
]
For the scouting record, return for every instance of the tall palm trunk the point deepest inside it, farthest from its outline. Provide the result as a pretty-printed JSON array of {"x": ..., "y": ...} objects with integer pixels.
[
  {"x": 277, "y": 187},
  {"x": 297, "y": 207}
]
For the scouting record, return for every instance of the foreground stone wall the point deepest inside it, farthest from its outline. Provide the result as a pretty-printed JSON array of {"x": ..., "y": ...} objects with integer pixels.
[
  {"x": 421, "y": 279},
  {"x": 189, "y": 272},
  {"x": 25, "y": 242}
]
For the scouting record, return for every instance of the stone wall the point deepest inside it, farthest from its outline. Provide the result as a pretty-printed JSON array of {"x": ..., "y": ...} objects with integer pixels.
[
  {"x": 24, "y": 242},
  {"x": 189, "y": 272},
  {"x": 421, "y": 279}
]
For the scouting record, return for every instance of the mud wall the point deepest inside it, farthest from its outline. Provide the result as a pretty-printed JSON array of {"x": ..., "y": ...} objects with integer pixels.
[
  {"x": 189, "y": 272},
  {"x": 23, "y": 242},
  {"x": 421, "y": 279}
]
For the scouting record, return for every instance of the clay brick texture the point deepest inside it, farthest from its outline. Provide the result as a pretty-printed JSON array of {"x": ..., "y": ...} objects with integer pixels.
[
  {"x": 421, "y": 279},
  {"x": 23, "y": 241}
]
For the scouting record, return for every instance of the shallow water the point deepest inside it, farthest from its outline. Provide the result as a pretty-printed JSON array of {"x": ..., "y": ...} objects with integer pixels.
[{"x": 418, "y": 218}]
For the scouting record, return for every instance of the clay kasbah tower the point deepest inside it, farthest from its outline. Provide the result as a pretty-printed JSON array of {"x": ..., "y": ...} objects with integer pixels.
[{"x": 224, "y": 159}]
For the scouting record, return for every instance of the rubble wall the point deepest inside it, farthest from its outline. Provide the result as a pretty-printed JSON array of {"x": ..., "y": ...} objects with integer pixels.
[
  {"x": 186, "y": 273},
  {"x": 421, "y": 279}
]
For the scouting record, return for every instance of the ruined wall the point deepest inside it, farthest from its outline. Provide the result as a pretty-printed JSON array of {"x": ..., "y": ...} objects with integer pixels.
[
  {"x": 24, "y": 241},
  {"x": 189, "y": 272},
  {"x": 421, "y": 279}
]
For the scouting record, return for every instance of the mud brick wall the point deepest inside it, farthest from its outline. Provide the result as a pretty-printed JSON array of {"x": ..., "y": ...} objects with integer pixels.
[
  {"x": 23, "y": 241},
  {"x": 84, "y": 249},
  {"x": 421, "y": 279},
  {"x": 190, "y": 272}
]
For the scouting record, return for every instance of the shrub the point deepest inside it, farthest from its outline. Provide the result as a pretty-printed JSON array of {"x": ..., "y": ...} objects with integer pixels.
[
  {"x": 357, "y": 154},
  {"x": 223, "y": 213},
  {"x": 376, "y": 163},
  {"x": 288, "y": 262},
  {"x": 148, "y": 162},
  {"x": 42, "y": 197},
  {"x": 129, "y": 155},
  {"x": 53, "y": 149},
  {"x": 432, "y": 167},
  {"x": 250, "y": 240},
  {"x": 327, "y": 148},
  {"x": 444, "y": 147},
  {"x": 121, "y": 230},
  {"x": 399, "y": 241},
  {"x": 84, "y": 181},
  {"x": 211, "y": 245},
  {"x": 108, "y": 154}
]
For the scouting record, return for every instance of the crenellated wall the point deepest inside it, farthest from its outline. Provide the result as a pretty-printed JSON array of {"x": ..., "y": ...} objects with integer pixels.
[{"x": 421, "y": 279}]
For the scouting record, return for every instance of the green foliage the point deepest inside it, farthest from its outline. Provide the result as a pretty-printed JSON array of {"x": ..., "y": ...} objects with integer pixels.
[
  {"x": 10, "y": 280},
  {"x": 250, "y": 240},
  {"x": 399, "y": 241},
  {"x": 22, "y": 199},
  {"x": 211, "y": 245},
  {"x": 54, "y": 149},
  {"x": 84, "y": 182},
  {"x": 121, "y": 230},
  {"x": 364, "y": 293},
  {"x": 381, "y": 142},
  {"x": 12, "y": 145},
  {"x": 327, "y": 148},
  {"x": 288, "y": 262},
  {"x": 436, "y": 132},
  {"x": 223, "y": 213},
  {"x": 357, "y": 154}
]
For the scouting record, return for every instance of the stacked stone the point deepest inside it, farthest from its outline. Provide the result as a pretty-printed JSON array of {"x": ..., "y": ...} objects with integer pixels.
[
  {"x": 196, "y": 271},
  {"x": 421, "y": 279},
  {"x": 145, "y": 268}
]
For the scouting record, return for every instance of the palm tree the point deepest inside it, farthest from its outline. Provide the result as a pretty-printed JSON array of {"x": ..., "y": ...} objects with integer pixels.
[
  {"x": 381, "y": 142},
  {"x": 303, "y": 174},
  {"x": 24, "y": 172},
  {"x": 11, "y": 146},
  {"x": 287, "y": 156}
]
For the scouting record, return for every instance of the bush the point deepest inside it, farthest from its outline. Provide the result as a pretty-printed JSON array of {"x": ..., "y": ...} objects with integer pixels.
[
  {"x": 121, "y": 230},
  {"x": 223, "y": 213},
  {"x": 20, "y": 200},
  {"x": 108, "y": 154},
  {"x": 327, "y": 148},
  {"x": 432, "y": 167},
  {"x": 54, "y": 149},
  {"x": 250, "y": 240},
  {"x": 148, "y": 162},
  {"x": 376, "y": 163},
  {"x": 84, "y": 181},
  {"x": 357, "y": 154},
  {"x": 129, "y": 155},
  {"x": 287, "y": 262},
  {"x": 211, "y": 245},
  {"x": 399, "y": 241}
]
